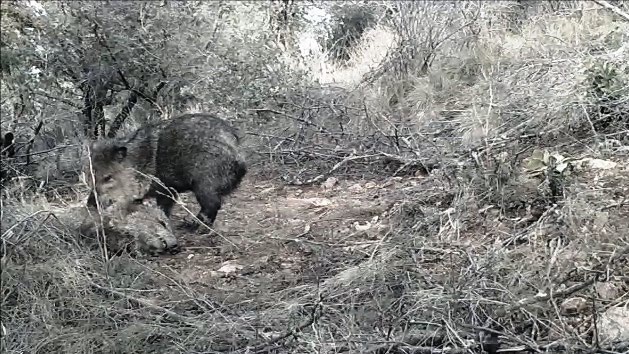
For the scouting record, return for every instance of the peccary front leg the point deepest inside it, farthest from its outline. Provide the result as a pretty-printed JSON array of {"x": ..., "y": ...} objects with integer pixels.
[
  {"x": 165, "y": 202},
  {"x": 210, "y": 204},
  {"x": 163, "y": 198}
]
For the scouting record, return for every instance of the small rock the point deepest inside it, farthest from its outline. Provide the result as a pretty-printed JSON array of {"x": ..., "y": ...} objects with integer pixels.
[
  {"x": 230, "y": 267},
  {"x": 330, "y": 183},
  {"x": 360, "y": 227},
  {"x": 607, "y": 290},
  {"x": 613, "y": 325},
  {"x": 600, "y": 220},
  {"x": 573, "y": 306}
]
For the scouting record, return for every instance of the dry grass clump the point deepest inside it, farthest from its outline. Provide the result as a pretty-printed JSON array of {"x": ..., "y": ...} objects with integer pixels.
[
  {"x": 538, "y": 85},
  {"x": 487, "y": 83},
  {"x": 60, "y": 295},
  {"x": 66, "y": 304}
]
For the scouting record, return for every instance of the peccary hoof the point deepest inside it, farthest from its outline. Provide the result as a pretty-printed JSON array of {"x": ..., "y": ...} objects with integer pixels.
[
  {"x": 174, "y": 249},
  {"x": 195, "y": 226},
  {"x": 189, "y": 225}
]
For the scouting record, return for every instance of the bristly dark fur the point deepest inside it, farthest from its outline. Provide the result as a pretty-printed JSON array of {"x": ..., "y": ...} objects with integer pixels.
[{"x": 192, "y": 152}]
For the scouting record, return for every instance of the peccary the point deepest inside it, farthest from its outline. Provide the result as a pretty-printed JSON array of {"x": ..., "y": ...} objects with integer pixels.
[
  {"x": 192, "y": 152},
  {"x": 123, "y": 185},
  {"x": 140, "y": 228}
]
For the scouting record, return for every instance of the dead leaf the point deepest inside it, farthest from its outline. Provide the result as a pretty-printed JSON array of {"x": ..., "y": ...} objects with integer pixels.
[
  {"x": 355, "y": 188},
  {"x": 266, "y": 191},
  {"x": 330, "y": 183},
  {"x": 370, "y": 185},
  {"x": 573, "y": 306},
  {"x": 607, "y": 290}
]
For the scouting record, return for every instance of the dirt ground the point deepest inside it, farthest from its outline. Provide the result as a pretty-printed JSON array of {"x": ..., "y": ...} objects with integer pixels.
[
  {"x": 269, "y": 237},
  {"x": 362, "y": 258}
]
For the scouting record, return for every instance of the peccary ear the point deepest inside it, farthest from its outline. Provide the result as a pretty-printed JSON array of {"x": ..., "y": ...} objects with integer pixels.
[{"x": 120, "y": 153}]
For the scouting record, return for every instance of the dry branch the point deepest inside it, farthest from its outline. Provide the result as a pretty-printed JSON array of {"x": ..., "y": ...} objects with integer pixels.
[
  {"x": 613, "y": 8},
  {"x": 264, "y": 347},
  {"x": 150, "y": 305},
  {"x": 548, "y": 295}
]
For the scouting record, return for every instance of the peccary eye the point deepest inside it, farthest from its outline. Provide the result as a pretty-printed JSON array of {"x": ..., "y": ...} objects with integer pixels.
[{"x": 107, "y": 178}]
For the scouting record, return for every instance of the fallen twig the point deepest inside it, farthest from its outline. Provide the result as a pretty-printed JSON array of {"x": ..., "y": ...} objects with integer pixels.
[
  {"x": 380, "y": 155},
  {"x": 261, "y": 348},
  {"x": 32, "y": 141}
]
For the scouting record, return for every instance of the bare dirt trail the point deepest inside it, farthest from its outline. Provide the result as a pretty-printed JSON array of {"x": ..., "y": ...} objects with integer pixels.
[{"x": 270, "y": 237}]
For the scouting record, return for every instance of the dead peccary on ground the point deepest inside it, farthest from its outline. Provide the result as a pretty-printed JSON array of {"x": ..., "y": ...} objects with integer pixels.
[
  {"x": 129, "y": 223},
  {"x": 191, "y": 152},
  {"x": 138, "y": 228}
]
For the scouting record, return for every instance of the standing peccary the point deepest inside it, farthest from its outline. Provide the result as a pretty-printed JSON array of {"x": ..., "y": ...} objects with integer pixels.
[{"x": 192, "y": 152}]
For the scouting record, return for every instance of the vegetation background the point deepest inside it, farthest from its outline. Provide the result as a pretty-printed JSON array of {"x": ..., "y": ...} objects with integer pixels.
[{"x": 424, "y": 175}]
